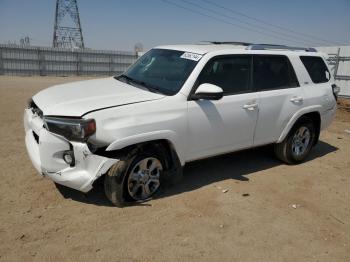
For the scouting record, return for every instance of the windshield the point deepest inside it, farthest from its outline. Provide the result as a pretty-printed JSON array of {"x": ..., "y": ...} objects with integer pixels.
[{"x": 161, "y": 70}]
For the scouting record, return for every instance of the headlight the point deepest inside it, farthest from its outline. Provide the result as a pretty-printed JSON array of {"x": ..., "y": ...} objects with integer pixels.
[{"x": 74, "y": 129}]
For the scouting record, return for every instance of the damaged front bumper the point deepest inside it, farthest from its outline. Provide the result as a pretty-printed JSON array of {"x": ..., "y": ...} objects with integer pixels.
[{"x": 46, "y": 151}]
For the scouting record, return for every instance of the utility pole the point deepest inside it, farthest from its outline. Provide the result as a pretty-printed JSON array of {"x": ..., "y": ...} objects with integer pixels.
[{"x": 67, "y": 28}]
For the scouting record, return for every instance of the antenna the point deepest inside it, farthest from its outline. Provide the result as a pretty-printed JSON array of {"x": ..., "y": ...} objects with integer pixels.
[{"x": 67, "y": 28}]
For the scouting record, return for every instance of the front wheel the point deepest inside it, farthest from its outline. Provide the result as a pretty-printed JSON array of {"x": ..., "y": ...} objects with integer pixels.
[
  {"x": 298, "y": 143},
  {"x": 144, "y": 178},
  {"x": 134, "y": 179}
]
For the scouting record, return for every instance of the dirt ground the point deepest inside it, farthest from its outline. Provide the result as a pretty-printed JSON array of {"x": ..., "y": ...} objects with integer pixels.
[{"x": 270, "y": 212}]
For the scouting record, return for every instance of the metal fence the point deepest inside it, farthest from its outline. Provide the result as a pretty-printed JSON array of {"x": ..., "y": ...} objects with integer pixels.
[
  {"x": 21, "y": 60},
  {"x": 339, "y": 61},
  {"x": 18, "y": 60}
]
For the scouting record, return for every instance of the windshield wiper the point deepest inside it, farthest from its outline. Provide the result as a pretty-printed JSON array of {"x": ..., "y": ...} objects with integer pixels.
[
  {"x": 127, "y": 78},
  {"x": 151, "y": 88}
]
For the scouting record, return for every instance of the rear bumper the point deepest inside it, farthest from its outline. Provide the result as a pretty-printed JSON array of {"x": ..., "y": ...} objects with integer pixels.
[{"x": 46, "y": 151}]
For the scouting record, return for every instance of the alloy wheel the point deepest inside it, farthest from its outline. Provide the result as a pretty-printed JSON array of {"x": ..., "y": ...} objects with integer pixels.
[{"x": 144, "y": 179}]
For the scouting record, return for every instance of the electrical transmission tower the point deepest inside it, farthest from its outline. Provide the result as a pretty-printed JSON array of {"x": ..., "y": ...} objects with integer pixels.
[{"x": 67, "y": 28}]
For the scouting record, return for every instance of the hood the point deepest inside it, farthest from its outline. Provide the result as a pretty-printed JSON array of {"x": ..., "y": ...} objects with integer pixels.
[{"x": 79, "y": 98}]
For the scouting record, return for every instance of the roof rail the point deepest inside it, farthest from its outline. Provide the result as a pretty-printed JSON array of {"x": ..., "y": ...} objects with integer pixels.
[
  {"x": 279, "y": 47},
  {"x": 227, "y": 43}
]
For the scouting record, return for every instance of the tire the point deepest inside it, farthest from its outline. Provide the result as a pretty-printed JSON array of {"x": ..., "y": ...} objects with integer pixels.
[
  {"x": 294, "y": 149},
  {"x": 122, "y": 175}
]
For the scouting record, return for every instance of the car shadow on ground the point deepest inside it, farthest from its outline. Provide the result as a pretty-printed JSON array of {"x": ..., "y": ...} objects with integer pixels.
[
  {"x": 204, "y": 172},
  {"x": 238, "y": 166}
]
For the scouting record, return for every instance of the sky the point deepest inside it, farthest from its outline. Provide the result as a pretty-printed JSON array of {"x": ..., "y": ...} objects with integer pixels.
[{"x": 120, "y": 24}]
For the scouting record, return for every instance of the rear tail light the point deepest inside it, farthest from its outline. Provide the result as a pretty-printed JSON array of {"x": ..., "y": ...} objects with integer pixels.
[{"x": 336, "y": 90}]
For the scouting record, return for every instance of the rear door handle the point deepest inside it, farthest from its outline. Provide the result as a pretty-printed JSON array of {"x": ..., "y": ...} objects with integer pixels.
[
  {"x": 250, "y": 107},
  {"x": 296, "y": 99}
]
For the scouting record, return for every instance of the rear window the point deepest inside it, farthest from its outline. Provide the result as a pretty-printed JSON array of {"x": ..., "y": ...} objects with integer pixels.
[
  {"x": 273, "y": 72},
  {"x": 316, "y": 68}
]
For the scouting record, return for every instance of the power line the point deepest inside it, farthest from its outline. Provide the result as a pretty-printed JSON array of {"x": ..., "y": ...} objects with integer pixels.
[
  {"x": 301, "y": 40},
  {"x": 269, "y": 24},
  {"x": 226, "y": 22}
]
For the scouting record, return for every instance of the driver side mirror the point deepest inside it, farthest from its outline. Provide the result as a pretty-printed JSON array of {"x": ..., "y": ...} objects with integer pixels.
[{"x": 208, "y": 92}]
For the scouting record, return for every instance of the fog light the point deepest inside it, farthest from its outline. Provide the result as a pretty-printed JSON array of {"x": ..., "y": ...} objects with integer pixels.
[{"x": 68, "y": 157}]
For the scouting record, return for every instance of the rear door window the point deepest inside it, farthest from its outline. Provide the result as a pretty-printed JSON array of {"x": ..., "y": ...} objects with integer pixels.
[
  {"x": 316, "y": 68},
  {"x": 273, "y": 72}
]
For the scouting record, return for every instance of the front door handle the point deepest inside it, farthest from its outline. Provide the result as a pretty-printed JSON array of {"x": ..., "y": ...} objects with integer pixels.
[
  {"x": 250, "y": 107},
  {"x": 296, "y": 99}
]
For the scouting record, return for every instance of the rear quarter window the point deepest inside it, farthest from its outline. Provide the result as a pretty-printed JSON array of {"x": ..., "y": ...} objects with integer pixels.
[{"x": 316, "y": 68}]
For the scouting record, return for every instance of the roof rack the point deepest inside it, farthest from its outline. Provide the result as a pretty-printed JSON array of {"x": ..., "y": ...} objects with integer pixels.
[
  {"x": 279, "y": 47},
  {"x": 251, "y": 46},
  {"x": 227, "y": 43}
]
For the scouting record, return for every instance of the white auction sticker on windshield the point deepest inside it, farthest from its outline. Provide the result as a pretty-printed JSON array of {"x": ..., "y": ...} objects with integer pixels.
[{"x": 191, "y": 56}]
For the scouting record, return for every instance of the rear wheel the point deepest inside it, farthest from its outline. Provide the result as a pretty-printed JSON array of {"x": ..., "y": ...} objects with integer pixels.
[{"x": 298, "y": 143}]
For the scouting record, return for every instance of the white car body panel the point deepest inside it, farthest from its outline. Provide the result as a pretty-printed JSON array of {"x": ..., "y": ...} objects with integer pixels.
[
  {"x": 294, "y": 118},
  {"x": 275, "y": 109},
  {"x": 144, "y": 122},
  {"x": 78, "y": 98},
  {"x": 224, "y": 124},
  {"x": 126, "y": 115}
]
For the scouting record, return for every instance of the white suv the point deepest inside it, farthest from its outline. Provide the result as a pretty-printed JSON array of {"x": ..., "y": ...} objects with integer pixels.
[{"x": 177, "y": 104}]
